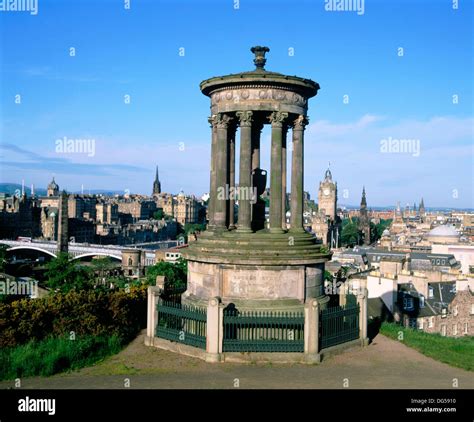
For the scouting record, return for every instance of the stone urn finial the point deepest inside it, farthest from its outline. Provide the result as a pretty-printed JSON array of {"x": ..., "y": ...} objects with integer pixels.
[{"x": 260, "y": 59}]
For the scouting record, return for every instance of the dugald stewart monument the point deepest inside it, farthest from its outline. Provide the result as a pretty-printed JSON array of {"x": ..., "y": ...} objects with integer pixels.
[
  {"x": 247, "y": 264},
  {"x": 255, "y": 285}
]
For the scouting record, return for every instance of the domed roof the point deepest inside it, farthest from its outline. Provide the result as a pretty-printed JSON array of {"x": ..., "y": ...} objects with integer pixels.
[
  {"x": 259, "y": 75},
  {"x": 53, "y": 185},
  {"x": 443, "y": 231},
  {"x": 386, "y": 232}
]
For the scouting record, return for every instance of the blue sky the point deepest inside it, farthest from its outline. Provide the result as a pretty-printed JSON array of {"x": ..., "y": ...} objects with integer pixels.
[{"x": 135, "y": 52}]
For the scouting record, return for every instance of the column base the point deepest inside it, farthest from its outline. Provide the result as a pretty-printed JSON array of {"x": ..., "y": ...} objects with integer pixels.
[
  {"x": 312, "y": 358},
  {"x": 244, "y": 230},
  {"x": 276, "y": 230},
  {"x": 213, "y": 357},
  {"x": 297, "y": 230}
]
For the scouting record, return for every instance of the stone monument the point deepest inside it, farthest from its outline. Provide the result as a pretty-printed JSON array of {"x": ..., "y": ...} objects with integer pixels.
[{"x": 245, "y": 263}]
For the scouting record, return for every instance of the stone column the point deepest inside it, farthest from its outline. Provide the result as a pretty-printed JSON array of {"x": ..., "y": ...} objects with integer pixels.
[
  {"x": 277, "y": 120},
  {"x": 153, "y": 295},
  {"x": 213, "y": 189},
  {"x": 213, "y": 330},
  {"x": 283, "y": 177},
  {"x": 297, "y": 173},
  {"x": 220, "y": 214},
  {"x": 245, "y": 179},
  {"x": 311, "y": 331},
  {"x": 231, "y": 167},
  {"x": 362, "y": 301},
  {"x": 256, "y": 132}
]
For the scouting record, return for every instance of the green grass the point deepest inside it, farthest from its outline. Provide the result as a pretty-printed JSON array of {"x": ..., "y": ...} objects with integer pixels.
[
  {"x": 53, "y": 355},
  {"x": 457, "y": 352}
]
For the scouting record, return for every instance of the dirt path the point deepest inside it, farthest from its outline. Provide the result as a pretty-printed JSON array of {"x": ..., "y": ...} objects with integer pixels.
[{"x": 384, "y": 364}]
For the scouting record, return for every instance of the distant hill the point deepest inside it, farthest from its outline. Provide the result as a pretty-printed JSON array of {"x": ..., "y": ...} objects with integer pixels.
[{"x": 11, "y": 188}]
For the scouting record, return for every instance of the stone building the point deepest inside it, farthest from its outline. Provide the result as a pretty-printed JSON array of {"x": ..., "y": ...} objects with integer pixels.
[
  {"x": 447, "y": 310},
  {"x": 82, "y": 206},
  {"x": 133, "y": 263},
  {"x": 106, "y": 212},
  {"x": 49, "y": 223},
  {"x": 186, "y": 209},
  {"x": 19, "y": 216},
  {"x": 135, "y": 209}
]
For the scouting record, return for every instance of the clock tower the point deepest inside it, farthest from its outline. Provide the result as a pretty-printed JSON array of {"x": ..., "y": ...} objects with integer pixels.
[
  {"x": 327, "y": 196},
  {"x": 326, "y": 223}
]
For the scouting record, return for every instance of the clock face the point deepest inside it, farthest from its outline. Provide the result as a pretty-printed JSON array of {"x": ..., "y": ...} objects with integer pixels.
[{"x": 326, "y": 192}]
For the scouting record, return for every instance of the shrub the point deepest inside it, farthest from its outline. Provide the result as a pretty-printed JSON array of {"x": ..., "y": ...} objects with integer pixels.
[{"x": 93, "y": 312}]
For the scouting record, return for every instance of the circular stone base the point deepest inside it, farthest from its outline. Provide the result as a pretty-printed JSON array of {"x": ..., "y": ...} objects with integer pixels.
[{"x": 256, "y": 271}]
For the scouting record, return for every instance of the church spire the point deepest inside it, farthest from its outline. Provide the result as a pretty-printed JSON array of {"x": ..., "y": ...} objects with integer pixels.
[
  {"x": 156, "y": 183},
  {"x": 363, "y": 202}
]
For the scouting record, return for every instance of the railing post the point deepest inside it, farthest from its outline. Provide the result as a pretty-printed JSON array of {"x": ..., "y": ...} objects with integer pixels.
[
  {"x": 214, "y": 330},
  {"x": 311, "y": 331},
  {"x": 362, "y": 301},
  {"x": 153, "y": 294}
]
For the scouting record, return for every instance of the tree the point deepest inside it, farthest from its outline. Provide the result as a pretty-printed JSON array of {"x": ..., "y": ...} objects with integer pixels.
[
  {"x": 101, "y": 266},
  {"x": 175, "y": 273},
  {"x": 380, "y": 227},
  {"x": 190, "y": 228},
  {"x": 64, "y": 275},
  {"x": 350, "y": 234},
  {"x": 159, "y": 214}
]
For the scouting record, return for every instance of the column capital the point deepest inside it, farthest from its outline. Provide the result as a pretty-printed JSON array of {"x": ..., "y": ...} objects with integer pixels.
[
  {"x": 245, "y": 118},
  {"x": 300, "y": 122},
  {"x": 212, "y": 120},
  {"x": 277, "y": 118},
  {"x": 222, "y": 120}
]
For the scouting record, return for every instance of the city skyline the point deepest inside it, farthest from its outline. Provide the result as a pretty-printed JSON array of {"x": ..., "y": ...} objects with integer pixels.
[{"x": 390, "y": 97}]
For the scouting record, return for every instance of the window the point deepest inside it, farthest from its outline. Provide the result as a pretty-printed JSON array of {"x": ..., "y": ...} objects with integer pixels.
[
  {"x": 422, "y": 301},
  {"x": 472, "y": 309},
  {"x": 466, "y": 328},
  {"x": 455, "y": 329},
  {"x": 443, "y": 330},
  {"x": 455, "y": 311},
  {"x": 408, "y": 303},
  {"x": 420, "y": 324},
  {"x": 430, "y": 291},
  {"x": 431, "y": 322}
]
